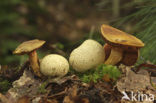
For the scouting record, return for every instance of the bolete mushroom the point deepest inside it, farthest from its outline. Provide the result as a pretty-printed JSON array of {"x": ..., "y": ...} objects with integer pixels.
[
  {"x": 30, "y": 47},
  {"x": 87, "y": 56},
  {"x": 120, "y": 46},
  {"x": 54, "y": 65}
]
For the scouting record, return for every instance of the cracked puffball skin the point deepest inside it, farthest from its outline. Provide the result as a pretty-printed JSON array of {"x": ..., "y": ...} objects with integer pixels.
[
  {"x": 54, "y": 65},
  {"x": 87, "y": 56}
]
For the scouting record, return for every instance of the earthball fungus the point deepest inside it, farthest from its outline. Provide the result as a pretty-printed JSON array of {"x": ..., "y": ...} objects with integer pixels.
[
  {"x": 120, "y": 47},
  {"x": 30, "y": 47},
  {"x": 54, "y": 65},
  {"x": 88, "y": 55}
]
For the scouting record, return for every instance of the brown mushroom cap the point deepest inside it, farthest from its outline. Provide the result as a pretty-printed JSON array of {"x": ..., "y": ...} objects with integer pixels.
[
  {"x": 118, "y": 37},
  {"x": 28, "y": 46}
]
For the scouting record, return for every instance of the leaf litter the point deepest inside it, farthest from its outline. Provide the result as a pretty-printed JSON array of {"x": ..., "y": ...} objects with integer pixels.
[{"x": 70, "y": 89}]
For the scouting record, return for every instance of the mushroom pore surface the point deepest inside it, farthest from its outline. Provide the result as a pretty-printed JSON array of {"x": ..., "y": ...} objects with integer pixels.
[
  {"x": 88, "y": 55},
  {"x": 54, "y": 65}
]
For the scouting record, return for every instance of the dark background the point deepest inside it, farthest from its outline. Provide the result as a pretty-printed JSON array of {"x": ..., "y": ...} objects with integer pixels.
[{"x": 64, "y": 24}]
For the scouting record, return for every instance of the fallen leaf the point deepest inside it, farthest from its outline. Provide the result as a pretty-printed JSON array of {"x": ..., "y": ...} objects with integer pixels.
[
  {"x": 72, "y": 95},
  {"x": 106, "y": 78},
  {"x": 48, "y": 101},
  {"x": 3, "y": 99},
  {"x": 23, "y": 99},
  {"x": 25, "y": 85},
  {"x": 134, "y": 82}
]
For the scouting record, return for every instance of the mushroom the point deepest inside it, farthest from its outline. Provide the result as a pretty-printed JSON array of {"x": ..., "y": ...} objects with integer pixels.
[
  {"x": 30, "y": 47},
  {"x": 54, "y": 65},
  {"x": 87, "y": 56},
  {"x": 120, "y": 46}
]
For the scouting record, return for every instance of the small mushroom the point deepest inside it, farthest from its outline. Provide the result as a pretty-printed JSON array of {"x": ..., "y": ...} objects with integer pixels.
[
  {"x": 120, "y": 46},
  {"x": 30, "y": 47},
  {"x": 87, "y": 56},
  {"x": 54, "y": 65}
]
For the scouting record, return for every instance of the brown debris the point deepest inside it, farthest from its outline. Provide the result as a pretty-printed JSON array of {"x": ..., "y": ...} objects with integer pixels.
[
  {"x": 73, "y": 97},
  {"x": 3, "y": 99},
  {"x": 151, "y": 67},
  {"x": 12, "y": 73},
  {"x": 23, "y": 99},
  {"x": 48, "y": 101}
]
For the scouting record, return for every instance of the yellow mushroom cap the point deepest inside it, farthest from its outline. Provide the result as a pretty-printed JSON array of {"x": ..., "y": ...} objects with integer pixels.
[
  {"x": 115, "y": 36},
  {"x": 28, "y": 46}
]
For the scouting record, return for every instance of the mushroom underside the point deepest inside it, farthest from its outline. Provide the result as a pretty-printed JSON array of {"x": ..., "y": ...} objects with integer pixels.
[
  {"x": 115, "y": 56},
  {"x": 125, "y": 55},
  {"x": 130, "y": 58}
]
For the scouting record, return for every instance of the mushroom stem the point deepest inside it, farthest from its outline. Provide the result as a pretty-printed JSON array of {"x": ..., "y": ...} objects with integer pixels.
[
  {"x": 115, "y": 56},
  {"x": 34, "y": 63},
  {"x": 130, "y": 58}
]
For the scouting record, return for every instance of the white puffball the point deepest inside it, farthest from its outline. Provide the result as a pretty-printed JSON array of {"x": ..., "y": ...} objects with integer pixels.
[
  {"x": 88, "y": 55},
  {"x": 54, "y": 65}
]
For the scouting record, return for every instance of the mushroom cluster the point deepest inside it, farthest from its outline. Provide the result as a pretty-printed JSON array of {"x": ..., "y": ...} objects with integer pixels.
[
  {"x": 88, "y": 55},
  {"x": 120, "y": 47},
  {"x": 51, "y": 65}
]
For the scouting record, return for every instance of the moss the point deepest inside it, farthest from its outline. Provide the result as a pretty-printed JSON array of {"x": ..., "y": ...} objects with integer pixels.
[
  {"x": 42, "y": 88},
  {"x": 99, "y": 73},
  {"x": 4, "y": 85}
]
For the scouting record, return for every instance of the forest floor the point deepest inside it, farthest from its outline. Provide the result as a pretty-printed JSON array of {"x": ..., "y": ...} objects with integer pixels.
[{"x": 131, "y": 87}]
